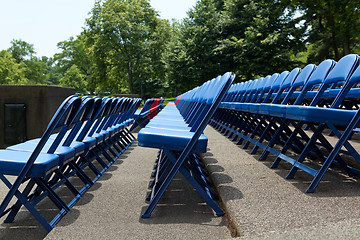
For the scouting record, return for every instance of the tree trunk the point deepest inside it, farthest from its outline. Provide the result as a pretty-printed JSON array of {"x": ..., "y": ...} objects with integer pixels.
[
  {"x": 334, "y": 44},
  {"x": 332, "y": 26},
  {"x": 346, "y": 45},
  {"x": 131, "y": 83}
]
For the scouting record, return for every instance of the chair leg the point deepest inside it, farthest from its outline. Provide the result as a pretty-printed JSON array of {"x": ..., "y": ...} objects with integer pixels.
[
  {"x": 306, "y": 150},
  {"x": 178, "y": 166},
  {"x": 16, "y": 207}
]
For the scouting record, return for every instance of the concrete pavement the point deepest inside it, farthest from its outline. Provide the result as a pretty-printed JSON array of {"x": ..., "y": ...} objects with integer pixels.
[
  {"x": 260, "y": 203},
  {"x": 264, "y": 205}
]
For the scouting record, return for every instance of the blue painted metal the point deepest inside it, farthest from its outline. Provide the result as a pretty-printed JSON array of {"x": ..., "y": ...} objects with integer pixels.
[
  {"x": 316, "y": 99},
  {"x": 196, "y": 106},
  {"x": 42, "y": 165}
]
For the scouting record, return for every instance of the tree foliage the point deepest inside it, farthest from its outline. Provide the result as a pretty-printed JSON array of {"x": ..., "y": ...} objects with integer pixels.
[
  {"x": 259, "y": 37},
  {"x": 36, "y": 68},
  {"x": 74, "y": 78},
  {"x": 125, "y": 41},
  {"x": 11, "y": 72},
  {"x": 332, "y": 27},
  {"x": 76, "y": 56},
  {"x": 191, "y": 56},
  {"x": 126, "y": 48}
]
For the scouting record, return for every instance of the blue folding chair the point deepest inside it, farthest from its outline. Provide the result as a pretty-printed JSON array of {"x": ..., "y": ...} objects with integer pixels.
[
  {"x": 34, "y": 168},
  {"x": 318, "y": 118},
  {"x": 180, "y": 141}
]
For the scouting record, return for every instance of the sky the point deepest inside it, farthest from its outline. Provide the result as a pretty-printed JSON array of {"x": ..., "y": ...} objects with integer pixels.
[{"x": 44, "y": 23}]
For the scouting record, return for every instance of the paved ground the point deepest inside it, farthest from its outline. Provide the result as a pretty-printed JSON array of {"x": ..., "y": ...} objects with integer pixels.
[
  {"x": 260, "y": 203},
  {"x": 263, "y": 204},
  {"x": 111, "y": 209}
]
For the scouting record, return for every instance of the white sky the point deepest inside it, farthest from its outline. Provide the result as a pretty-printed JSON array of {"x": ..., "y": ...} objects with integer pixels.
[{"x": 44, "y": 23}]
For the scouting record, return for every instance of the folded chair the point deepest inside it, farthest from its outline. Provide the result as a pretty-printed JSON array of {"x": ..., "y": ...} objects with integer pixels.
[
  {"x": 309, "y": 78},
  {"x": 180, "y": 141},
  {"x": 334, "y": 118},
  {"x": 288, "y": 121},
  {"x": 34, "y": 168},
  {"x": 151, "y": 108},
  {"x": 101, "y": 134}
]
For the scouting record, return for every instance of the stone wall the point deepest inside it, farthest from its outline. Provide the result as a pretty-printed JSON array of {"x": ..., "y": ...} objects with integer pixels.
[{"x": 40, "y": 102}]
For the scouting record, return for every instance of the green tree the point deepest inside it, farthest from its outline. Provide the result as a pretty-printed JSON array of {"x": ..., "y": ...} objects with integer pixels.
[
  {"x": 73, "y": 53},
  {"x": 52, "y": 72},
  {"x": 24, "y": 52},
  {"x": 124, "y": 42},
  {"x": 74, "y": 78},
  {"x": 21, "y": 50},
  {"x": 191, "y": 57},
  {"x": 332, "y": 26},
  {"x": 259, "y": 37},
  {"x": 11, "y": 72},
  {"x": 36, "y": 70}
]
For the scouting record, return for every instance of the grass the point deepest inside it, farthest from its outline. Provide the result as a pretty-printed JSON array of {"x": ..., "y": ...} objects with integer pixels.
[{"x": 166, "y": 101}]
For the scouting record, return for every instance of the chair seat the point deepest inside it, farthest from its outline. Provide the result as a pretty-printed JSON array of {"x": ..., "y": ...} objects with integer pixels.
[
  {"x": 229, "y": 105},
  {"x": 65, "y": 153},
  {"x": 12, "y": 162},
  {"x": 128, "y": 122},
  {"x": 170, "y": 139},
  {"x": 172, "y": 126},
  {"x": 106, "y": 134},
  {"x": 264, "y": 108},
  {"x": 78, "y": 146},
  {"x": 278, "y": 110},
  {"x": 232, "y": 105},
  {"x": 310, "y": 94},
  {"x": 100, "y": 137},
  {"x": 316, "y": 114},
  {"x": 237, "y": 106},
  {"x": 160, "y": 118},
  {"x": 253, "y": 107},
  {"x": 137, "y": 112},
  {"x": 90, "y": 142},
  {"x": 353, "y": 93},
  {"x": 246, "y": 106},
  {"x": 117, "y": 128}
]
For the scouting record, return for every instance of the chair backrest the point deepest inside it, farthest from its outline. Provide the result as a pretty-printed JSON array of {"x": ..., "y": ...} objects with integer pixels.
[
  {"x": 230, "y": 94},
  {"x": 114, "y": 113},
  {"x": 211, "y": 94},
  {"x": 242, "y": 91},
  {"x": 128, "y": 109},
  {"x": 353, "y": 81},
  {"x": 238, "y": 88},
  {"x": 257, "y": 87},
  {"x": 300, "y": 81},
  {"x": 135, "y": 106},
  {"x": 221, "y": 87},
  {"x": 247, "y": 90},
  {"x": 340, "y": 73},
  {"x": 98, "y": 105},
  {"x": 275, "y": 86},
  {"x": 317, "y": 77},
  {"x": 70, "y": 111},
  {"x": 286, "y": 83},
  {"x": 147, "y": 105},
  {"x": 261, "y": 89},
  {"x": 107, "y": 113},
  {"x": 267, "y": 86},
  {"x": 62, "y": 116},
  {"x": 102, "y": 112},
  {"x": 82, "y": 116}
]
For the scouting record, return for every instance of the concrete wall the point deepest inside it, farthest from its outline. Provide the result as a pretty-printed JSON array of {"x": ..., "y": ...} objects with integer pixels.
[{"x": 41, "y": 102}]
